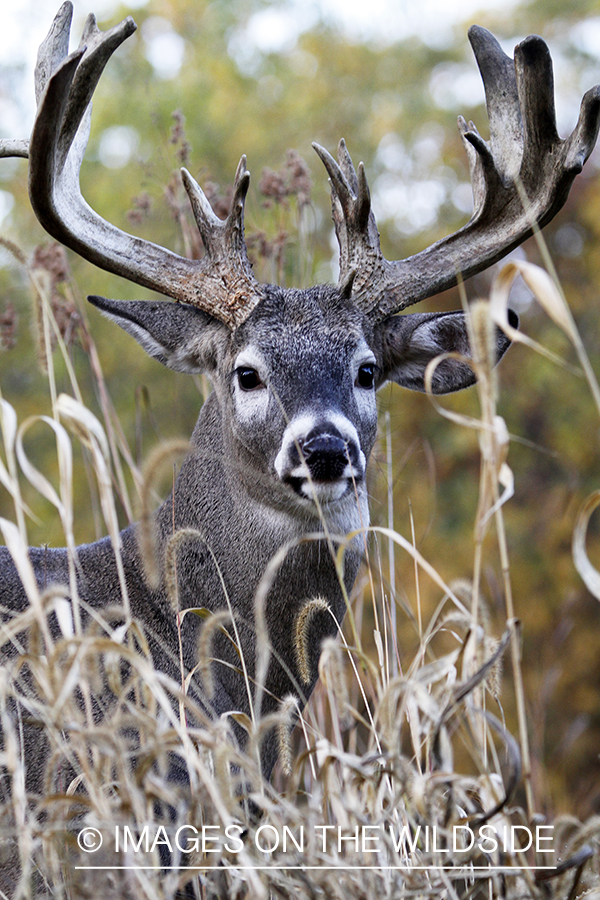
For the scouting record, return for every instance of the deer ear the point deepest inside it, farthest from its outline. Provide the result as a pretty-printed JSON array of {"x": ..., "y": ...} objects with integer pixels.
[
  {"x": 179, "y": 336},
  {"x": 410, "y": 342}
]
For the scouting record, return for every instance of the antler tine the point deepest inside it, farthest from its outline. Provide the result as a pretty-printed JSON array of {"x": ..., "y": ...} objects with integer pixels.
[
  {"x": 502, "y": 103},
  {"x": 51, "y": 52},
  {"x": 64, "y": 88},
  {"x": 53, "y": 49},
  {"x": 235, "y": 219},
  {"x": 535, "y": 86},
  {"x": 583, "y": 138},
  {"x": 520, "y": 179},
  {"x": 96, "y": 48},
  {"x": 361, "y": 260},
  {"x": 235, "y": 291}
]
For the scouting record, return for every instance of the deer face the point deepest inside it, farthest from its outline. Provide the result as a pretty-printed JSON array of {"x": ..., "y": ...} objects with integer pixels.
[
  {"x": 296, "y": 384},
  {"x": 301, "y": 393}
]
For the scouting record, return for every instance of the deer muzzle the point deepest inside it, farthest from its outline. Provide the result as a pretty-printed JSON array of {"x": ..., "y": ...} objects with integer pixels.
[{"x": 321, "y": 460}]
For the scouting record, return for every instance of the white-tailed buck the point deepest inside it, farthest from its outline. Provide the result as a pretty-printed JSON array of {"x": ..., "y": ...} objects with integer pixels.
[{"x": 281, "y": 446}]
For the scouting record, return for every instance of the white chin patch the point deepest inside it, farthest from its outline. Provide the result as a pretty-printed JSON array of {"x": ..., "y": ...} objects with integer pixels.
[{"x": 324, "y": 492}]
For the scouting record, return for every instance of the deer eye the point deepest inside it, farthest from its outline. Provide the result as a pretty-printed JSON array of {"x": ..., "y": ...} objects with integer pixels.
[
  {"x": 366, "y": 376},
  {"x": 249, "y": 379}
]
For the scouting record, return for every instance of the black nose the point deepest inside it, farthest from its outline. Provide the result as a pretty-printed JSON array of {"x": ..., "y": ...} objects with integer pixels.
[{"x": 326, "y": 455}]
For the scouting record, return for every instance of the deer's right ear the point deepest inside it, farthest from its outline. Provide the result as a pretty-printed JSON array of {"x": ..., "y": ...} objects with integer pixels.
[{"x": 180, "y": 336}]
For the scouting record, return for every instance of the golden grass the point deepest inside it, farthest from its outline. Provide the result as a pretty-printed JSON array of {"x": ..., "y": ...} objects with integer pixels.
[{"x": 383, "y": 749}]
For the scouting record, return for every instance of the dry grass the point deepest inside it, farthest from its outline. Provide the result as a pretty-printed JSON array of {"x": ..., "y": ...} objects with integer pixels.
[{"x": 382, "y": 750}]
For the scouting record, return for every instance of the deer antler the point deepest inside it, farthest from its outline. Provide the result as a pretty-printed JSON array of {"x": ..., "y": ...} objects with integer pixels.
[
  {"x": 520, "y": 179},
  {"x": 222, "y": 283}
]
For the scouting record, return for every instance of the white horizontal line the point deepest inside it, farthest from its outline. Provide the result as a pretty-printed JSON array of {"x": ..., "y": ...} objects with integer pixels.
[{"x": 466, "y": 868}]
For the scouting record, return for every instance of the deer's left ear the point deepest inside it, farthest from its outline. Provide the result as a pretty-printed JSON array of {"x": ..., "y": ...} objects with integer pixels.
[{"x": 410, "y": 342}]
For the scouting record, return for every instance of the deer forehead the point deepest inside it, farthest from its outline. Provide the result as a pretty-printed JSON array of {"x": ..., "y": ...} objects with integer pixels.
[{"x": 294, "y": 328}]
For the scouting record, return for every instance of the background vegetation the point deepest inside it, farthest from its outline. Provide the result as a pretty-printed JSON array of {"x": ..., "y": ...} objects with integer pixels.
[{"x": 396, "y": 105}]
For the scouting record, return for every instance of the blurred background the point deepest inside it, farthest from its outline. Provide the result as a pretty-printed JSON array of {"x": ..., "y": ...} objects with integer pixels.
[{"x": 201, "y": 83}]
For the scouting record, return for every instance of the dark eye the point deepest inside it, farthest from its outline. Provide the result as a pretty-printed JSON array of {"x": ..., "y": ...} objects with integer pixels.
[
  {"x": 249, "y": 379},
  {"x": 366, "y": 376}
]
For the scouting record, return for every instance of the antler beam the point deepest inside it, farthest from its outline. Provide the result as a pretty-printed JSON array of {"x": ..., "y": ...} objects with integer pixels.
[
  {"x": 222, "y": 283},
  {"x": 520, "y": 179}
]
